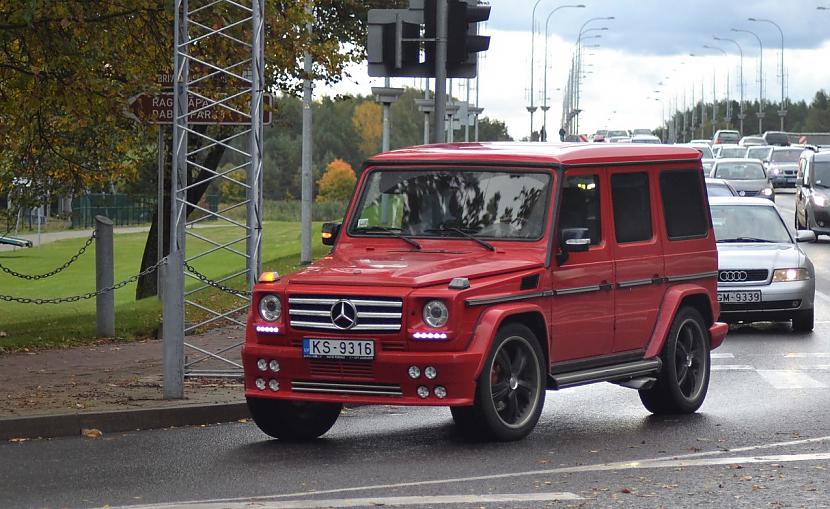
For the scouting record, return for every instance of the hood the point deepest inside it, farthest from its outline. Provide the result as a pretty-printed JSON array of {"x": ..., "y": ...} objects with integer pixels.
[
  {"x": 783, "y": 166},
  {"x": 407, "y": 268},
  {"x": 759, "y": 256},
  {"x": 749, "y": 185}
]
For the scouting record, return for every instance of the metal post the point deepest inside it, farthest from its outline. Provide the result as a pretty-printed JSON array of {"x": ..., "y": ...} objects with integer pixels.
[
  {"x": 254, "y": 176},
  {"x": 173, "y": 295},
  {"x": 160, "y": 211},
  {"x": 440, "y": 70},
  {"x": 386, "y": 105},
  {"x": 426, "y": 114},
  {"x": 305, "y": 212},
  {"x": 104, "y": 278},
  {"x": 467, "y": 114},
  {"x": 477, "y": 106}
]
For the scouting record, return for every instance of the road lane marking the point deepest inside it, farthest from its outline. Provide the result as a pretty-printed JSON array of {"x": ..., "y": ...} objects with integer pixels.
[
  {"x": 802, "y": 355},
  {"x": 435, "y": 500},
  {"x": 732, "y": 367},
  {"x": 702, "y": 459},
  {"x": 721, "y": 355},
  {"x": 789, "y": 379}
]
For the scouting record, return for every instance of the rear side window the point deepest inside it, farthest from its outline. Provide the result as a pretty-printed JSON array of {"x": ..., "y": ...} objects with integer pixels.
[
  {"x": 683, "y": 204},
  {"x": 579, "y": 214},
  {"x": 632, "y": 207}
]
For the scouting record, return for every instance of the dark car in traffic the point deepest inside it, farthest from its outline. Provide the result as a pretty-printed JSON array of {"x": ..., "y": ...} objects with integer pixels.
[{"x": 812, "y": 193}]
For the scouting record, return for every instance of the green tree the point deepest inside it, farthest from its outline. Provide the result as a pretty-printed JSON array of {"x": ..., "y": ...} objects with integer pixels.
[{"x": 337, "y": 182}]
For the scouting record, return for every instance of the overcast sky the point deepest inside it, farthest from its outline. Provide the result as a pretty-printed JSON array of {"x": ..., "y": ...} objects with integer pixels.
[{"x": 647, "y": 42}]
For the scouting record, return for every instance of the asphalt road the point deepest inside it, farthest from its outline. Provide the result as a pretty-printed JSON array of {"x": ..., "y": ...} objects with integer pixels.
[{"x": 761, "y": 439}]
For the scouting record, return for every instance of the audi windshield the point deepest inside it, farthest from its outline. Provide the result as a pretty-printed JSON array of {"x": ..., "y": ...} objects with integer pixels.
[
  {"x": 453, "y": 203},
  {"x": 748, "y": 223}
]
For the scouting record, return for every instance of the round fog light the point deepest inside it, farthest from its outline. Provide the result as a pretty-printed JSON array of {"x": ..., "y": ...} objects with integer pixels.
[
  {"x": 260, "y": 384},
  {"x": 273, "y": 385},
  {"x": 423, "y": 391},
  {"x": 430, "y": 372},
  {"x": 440, "y": 392},
  {"x": 262, "y": 364},
  {"x": 274, "y": 365},
  {"x": 414, "y": 372}
]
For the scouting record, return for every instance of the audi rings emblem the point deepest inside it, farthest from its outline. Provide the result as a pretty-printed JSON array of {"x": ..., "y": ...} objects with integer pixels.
[
  {"x": 343, "y": 314},
  {"x": 732, "y": 276}
]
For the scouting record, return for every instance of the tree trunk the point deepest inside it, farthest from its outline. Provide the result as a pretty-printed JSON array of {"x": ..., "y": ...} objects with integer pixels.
[{"x": 147, "y": 285}]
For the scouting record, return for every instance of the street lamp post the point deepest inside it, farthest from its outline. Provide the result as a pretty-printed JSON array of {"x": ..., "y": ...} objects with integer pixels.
[
  {"x": 714, "y": 92},
  {"x": 741, "y": 115},
  {"x": 532, "y": 108},
  {"x": 545, "y": 106},
  {"x": 782, "y": 112},
  {"x": 760, "y": 78},
  {"x": 578, "y": 73}
]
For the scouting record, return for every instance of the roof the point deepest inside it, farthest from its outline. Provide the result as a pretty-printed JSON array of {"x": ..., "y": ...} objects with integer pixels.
[
  {"x": 535, "y": 153},
  {"x": 737, "y": 200}
]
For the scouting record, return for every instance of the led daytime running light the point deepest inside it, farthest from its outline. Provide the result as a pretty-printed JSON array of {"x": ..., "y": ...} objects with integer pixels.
[
  {"x": 268, "y": 329},
  {"x": 435, "y": 336}
]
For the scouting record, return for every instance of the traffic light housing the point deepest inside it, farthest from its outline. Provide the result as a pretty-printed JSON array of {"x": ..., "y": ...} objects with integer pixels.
[
  {"x": 394, "y": 47},
  {"x": 463, "y": 41}
]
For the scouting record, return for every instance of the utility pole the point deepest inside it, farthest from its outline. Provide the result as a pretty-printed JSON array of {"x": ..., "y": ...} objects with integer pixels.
[
  {"x": 440, "y": 70},
  {"x": 306, "y": 184}
]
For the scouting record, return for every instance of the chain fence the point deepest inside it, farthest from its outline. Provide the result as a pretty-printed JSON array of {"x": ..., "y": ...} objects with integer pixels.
[
  {"x": 219, "y": 286},
  {"x": 87, "y": 295},
  {"x": 37, "y": 277}
]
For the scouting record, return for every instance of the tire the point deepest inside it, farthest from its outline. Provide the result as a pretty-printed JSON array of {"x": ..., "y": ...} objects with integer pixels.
[
  {"x": 803, "y": 321},
  {"x": 797, "y": 223},
  {"x": 293, "y": 420},
  {"x": 684, "y": 379},
  {"x": 510, "y": 392}
]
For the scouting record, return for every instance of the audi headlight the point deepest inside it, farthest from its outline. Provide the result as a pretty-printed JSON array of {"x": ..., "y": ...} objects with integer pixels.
[
  {"x": 767, "y": 191},
  {"x": 436, "y": 314},
  {"x": 820, "y": 200},
  {"x": 781, "y": 275},
  {"x": 270, "y": 308}
]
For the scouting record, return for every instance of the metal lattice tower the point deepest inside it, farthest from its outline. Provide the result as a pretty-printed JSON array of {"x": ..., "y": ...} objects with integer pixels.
[{"x": 219, "y": 69}]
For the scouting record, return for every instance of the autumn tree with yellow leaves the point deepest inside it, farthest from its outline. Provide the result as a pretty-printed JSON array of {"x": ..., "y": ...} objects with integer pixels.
[{"x": 337, "y": 182}]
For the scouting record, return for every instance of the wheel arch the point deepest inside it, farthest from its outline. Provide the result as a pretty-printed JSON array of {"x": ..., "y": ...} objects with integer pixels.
[
  {"x": 493, "y": 319},
  {"x": 675, "y": 298}
]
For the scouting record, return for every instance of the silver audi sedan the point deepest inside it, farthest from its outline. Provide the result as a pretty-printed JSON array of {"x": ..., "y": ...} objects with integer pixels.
[{"x": 763, "y": 275}]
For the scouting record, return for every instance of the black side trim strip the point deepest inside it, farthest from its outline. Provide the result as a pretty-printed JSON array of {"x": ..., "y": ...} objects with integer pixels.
[
  {"x": 608, "y": 373},
  {"x": 598, "y": 361},
  {"x": 637, "y": 282},
  {"x": 578, "y": 290},
  {"x": 486, "y": 301},
  {"x": 692, "y": 277}
]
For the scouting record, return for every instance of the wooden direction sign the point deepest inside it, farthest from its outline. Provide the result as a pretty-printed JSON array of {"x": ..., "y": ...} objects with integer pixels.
[{"x": 158, "y": 109}]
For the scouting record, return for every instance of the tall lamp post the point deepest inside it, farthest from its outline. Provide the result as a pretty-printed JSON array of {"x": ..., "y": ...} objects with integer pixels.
[
  {"x": 760, "y": 78},
  {"x": 727, "y": 114},
  {"x": 531, "y": 109},
  {"x": 579, "y": 40},
  {"x": 781, "y": 112},
  {"x": 545, "y": 106},
  {"x": 741, "y": 115}
]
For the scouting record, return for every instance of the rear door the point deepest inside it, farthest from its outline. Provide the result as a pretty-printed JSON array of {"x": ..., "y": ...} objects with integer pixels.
[{"x": 638, "y": 257}]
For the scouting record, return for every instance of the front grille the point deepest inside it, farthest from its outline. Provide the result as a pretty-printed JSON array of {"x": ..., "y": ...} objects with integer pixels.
[
  {"x": 371, "y": 389},
  {"x": 742, "y": 275},
  {"x": 789, "y": 172},
  {"x": 771, "y": 305},
  {"x": 340, "y": 369},
  {"x": 373, "y": 314}
]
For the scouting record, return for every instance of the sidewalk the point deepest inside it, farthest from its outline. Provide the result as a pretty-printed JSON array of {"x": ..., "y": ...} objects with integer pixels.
[{"x": 111, "y": 387}]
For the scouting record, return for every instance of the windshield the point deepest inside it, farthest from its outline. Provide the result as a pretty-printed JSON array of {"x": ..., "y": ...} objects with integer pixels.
[
  {"x": 726, "y": 137},
  {"x": 821, "y": 174},
  {"x": 750, "y": 170},
  {"x": 705, "y": 150},
  {"x": 731, "y": 152},
  {"x": 617, "y": 133},
  {"x": 489, "y": 204},
  {"x": 718, "y": 190},
  {"x": 785, "y": 156},
  {"x": 748, "y": 223},
  {"x": 761, "y": 153}
]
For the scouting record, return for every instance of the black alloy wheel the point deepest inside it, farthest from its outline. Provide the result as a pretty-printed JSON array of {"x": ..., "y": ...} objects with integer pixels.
[{"x": 682, "y": 384}]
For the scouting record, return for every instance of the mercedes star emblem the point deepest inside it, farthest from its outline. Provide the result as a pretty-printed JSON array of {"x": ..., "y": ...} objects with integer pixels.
[{"x": 343, "y": 315}]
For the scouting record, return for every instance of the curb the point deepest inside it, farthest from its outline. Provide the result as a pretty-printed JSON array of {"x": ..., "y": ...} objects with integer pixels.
[{"x": 70, "y": 424}]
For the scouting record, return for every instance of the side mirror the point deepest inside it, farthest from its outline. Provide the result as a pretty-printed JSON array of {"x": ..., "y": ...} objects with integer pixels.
[
  {"x": 329, "y": 233},
  {"x": 805, "y": 236},
  {"x": 578, "y": 245}
]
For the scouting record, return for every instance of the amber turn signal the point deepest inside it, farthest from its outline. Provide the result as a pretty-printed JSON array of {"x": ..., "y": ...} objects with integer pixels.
[{"x": 268, "y": 277}]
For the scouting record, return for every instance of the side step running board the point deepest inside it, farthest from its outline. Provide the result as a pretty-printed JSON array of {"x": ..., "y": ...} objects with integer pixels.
[{"x": 606, "y": 373}]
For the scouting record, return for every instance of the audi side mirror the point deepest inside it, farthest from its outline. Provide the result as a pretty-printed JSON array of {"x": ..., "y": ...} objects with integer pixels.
[
  {"x": 329, "y": 233},
  {"x": 805, "y": 236}
]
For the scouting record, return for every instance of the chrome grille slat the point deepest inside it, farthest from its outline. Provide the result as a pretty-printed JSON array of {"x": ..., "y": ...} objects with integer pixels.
[
  {"x": 313, "y": 312},
  {"x": 347, "y": 388}
]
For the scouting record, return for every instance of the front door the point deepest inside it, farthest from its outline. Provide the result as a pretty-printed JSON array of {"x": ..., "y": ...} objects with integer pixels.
[{"x": 582, "y": 309}]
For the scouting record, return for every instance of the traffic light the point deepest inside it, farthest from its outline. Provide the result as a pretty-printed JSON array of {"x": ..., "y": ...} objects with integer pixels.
[
  {"x": 463, "y": 41},
  {"x": 393, "y": 47}
]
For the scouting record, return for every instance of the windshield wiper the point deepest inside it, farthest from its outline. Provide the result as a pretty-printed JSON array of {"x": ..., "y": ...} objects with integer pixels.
[
  {"x": 463, "y": 234},
  {"x": 391, "y": 232},
  {"x": 745, "y": 239}
]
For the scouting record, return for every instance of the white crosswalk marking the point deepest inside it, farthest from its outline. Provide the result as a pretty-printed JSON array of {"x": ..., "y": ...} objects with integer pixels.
[
  {"x": 789, "y": 379},
  {"x": 732, "y": 367},
  {"x": 804, "y": 355},
  {"x": 721, "y": 355}
]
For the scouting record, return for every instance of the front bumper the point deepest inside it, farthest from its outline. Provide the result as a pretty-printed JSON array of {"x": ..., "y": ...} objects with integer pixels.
[
  {"x": 779, "y": 301},
  {"x": 819, "y": 218},
  {"x": 383, "y": 381},
  {"x": 783, "y": 180}
]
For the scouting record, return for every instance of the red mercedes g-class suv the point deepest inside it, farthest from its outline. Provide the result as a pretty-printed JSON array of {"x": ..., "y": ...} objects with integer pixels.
[{"x": 479, "y": 275}]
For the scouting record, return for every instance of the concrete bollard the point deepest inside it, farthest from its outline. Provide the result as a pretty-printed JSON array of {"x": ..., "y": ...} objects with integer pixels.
[{"x": 104, "y": 277}]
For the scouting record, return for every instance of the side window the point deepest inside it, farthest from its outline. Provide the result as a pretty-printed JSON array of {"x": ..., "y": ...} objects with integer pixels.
[
  {"x": 683, "y": 205},
  {"x": 579, "y": 213},
  {"x": 632, "y": 207}
]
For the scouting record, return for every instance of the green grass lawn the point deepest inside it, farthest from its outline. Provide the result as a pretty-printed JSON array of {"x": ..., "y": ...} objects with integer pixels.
[{"x": 56, "y": 325}]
